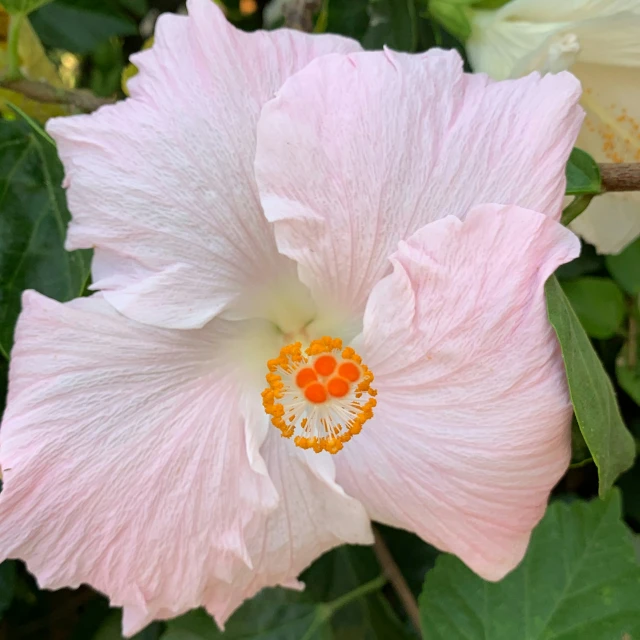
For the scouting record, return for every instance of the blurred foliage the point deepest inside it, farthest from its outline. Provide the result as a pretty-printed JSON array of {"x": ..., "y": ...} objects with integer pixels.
[
  {"x": 35, "y": 65},
  {"x": 33, "y": 226},
  {"x": 80, "y": 26},
  {"x": 604, "y": 318},
  {"x": 579, "y": 578},
  {"x": 23, "y": 6}
]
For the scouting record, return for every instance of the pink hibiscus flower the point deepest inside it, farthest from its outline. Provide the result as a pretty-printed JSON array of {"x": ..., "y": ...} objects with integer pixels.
[{"x": 351, "y": 291}]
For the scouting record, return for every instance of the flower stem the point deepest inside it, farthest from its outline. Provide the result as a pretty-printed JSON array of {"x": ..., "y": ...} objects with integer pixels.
[
  {"x": 576, "y": 207},
  {"x": 13, "y": 58},
  {"x": 395, "y": 577},
  {"x": 364, "y": 589}
]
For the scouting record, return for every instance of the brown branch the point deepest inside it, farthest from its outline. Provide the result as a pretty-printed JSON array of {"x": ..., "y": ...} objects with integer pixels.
[
  {"x": 395, "y": 577},
  {"x": 624, "y": 176},
  {"x": 42, "y": 92}
]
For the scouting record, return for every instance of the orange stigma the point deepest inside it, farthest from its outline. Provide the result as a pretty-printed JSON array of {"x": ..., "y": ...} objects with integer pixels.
[{"x": 320, "y": 396}]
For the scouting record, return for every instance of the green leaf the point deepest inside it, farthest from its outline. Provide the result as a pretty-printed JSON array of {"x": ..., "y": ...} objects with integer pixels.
[
  {"x": 81, "y": 25},
  {"x": 392, "y": 23},
  {"x": 583, "y": 174},
  {"x": 580, "y": 579},
  {"x": 453, "y": 15},
  {"x": 7, "y": 584},
  {"x": 33, "y": 226},
  {"x": 625, "y": 268},
  {"x": 598, "y": 303},
  {"x": 274, "y": 614},
  {"x": 25, "y": 7},
  {"x": 594, "y": 401}
]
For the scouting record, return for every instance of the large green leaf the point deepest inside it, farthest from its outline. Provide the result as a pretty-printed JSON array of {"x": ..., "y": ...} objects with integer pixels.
[
  {"x": 594, "y": 401},
  {"x": 583, "y": 174},
  {"x": 625, "y": 268},
  {"x": 598, "y": 303},
  {"x": 579, "y": 580},
  {"x": 81, "y": 25},
  {"x": 33, "y": 221}
]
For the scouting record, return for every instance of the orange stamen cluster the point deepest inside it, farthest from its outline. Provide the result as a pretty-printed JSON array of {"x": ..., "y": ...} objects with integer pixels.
[{"x": 321, "y": 395}]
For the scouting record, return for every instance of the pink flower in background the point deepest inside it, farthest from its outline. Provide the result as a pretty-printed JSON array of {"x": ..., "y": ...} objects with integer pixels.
[{"x": 137, "y": 453}]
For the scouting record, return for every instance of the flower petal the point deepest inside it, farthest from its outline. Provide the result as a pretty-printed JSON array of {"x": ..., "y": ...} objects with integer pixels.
[
  {"x": 527, "y": 36},
  {"x": 538, "y": 11},
  {"x": 126, "y": 457},
  {"x": 162, "y": 184},
  {"x": 313, "y": 516},
  {"x": 358, "y": 152},
  {"x": 611, "y": 223},
  {"x": 472, "y": 426}
]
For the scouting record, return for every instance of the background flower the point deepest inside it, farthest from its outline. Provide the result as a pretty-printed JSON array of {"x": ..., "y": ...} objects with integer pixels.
[{"x": 599, "y": 42}]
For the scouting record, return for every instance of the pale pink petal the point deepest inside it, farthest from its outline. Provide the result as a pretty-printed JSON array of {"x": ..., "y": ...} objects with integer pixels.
[
  {"x": 162, "y": 184},
  {"x": 472, "y": 427},
  {"x": 125, "y": 456},
  {"x": 313, "y": 516},
  {"x": 357, "y": 152}
]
